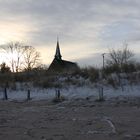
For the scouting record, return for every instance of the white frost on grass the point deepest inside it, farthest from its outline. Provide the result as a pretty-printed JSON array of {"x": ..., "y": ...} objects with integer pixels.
[{"x": 74, "y": 92}]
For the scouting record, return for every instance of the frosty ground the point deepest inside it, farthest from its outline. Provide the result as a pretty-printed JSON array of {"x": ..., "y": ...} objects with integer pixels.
[{"x": 79, "y": 117}]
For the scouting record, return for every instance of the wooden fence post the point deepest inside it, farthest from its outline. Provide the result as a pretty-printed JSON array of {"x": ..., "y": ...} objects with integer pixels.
[
  {"x": 28, "y": 95},
  {"x": 5, "y": 94},
  {"x": 57, "y": 94},
  {"x": 101, "y": 94}
]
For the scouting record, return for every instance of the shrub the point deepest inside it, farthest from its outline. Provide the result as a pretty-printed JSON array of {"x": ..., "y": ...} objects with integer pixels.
[
  {"x": 125, "y": 68},
  {"x": 4, "y": 68},
  {"x": 112, "y": 69},
  {"x": 88, "y": 72},
  {"x": 93, "y": 74},
  {"x": 47, "y": 82},
  {"x": 112, "y": 82},
  {"x": 129, "y": 68},
  {"x": 57, "y": 100}
]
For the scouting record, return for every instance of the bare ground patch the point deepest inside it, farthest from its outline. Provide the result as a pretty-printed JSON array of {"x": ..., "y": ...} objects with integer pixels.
[{"x": 114, "y": 119}]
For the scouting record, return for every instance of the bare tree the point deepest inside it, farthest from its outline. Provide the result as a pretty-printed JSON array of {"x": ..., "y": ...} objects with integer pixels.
[
  {"x": 14, "y": 54},
  {"x": 120, "y": 57},
  {"x": 20, "y": 56},
  {"x": 31, "y": 58}
]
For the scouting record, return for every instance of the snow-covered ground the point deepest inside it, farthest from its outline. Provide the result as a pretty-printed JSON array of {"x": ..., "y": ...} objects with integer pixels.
[{"x": 74, "y": 92}]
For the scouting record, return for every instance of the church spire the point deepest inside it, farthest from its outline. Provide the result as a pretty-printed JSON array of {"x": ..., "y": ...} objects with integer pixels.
[{"x": 58, "y": 54}]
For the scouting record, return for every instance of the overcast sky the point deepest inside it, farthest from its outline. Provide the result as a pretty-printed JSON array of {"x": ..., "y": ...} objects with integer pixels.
[{"x": 86, "y": 28}]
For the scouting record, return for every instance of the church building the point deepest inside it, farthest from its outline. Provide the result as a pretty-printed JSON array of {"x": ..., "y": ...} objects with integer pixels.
[{"x": 59, "y": 65}]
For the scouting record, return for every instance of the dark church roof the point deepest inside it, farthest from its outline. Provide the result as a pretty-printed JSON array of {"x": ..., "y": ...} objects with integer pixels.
[{"x": 59, "y": 65}]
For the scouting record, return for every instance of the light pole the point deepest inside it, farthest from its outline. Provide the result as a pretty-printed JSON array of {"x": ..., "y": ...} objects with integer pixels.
[{"x": 101, "y": 89}]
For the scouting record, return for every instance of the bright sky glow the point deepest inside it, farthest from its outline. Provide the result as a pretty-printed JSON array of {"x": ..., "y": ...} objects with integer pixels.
[{"x": 86, "y": 28}]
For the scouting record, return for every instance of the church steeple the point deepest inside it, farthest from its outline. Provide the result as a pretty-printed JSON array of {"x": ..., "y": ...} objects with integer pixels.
[{"x": 58, "y": 54}]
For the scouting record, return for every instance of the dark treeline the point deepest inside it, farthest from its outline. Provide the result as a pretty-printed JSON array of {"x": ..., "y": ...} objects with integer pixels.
[{"x": 119, "y": 62}]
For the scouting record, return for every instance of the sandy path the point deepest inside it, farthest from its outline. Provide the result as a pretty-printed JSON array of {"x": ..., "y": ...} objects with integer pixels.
[{"x": 71, "y": 120}]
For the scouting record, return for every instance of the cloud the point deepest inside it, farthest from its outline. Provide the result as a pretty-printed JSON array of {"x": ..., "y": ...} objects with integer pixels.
[{"x": 91, "y": 25}]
